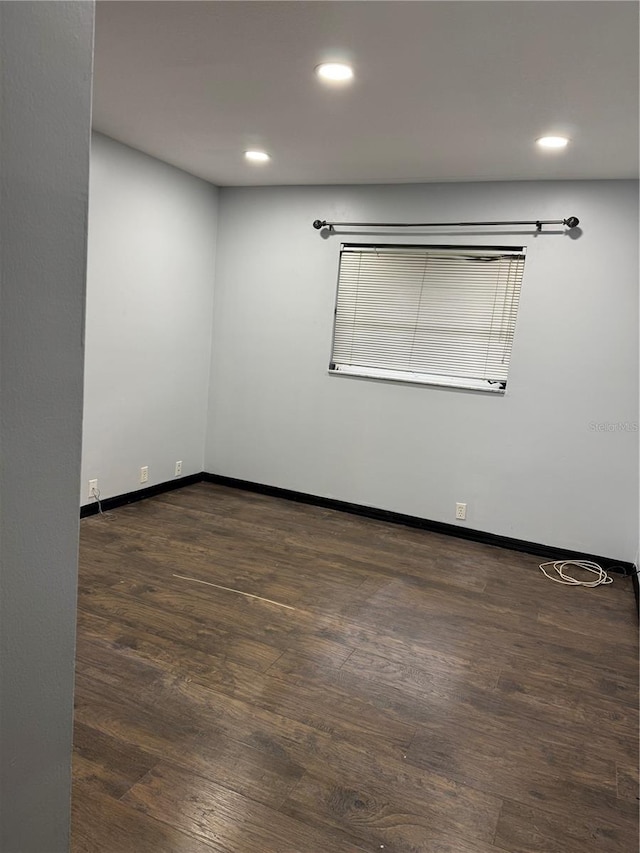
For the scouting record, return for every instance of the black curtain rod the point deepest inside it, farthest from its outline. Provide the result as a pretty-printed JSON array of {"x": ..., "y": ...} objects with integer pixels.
[{"x": 571, "y": 222}]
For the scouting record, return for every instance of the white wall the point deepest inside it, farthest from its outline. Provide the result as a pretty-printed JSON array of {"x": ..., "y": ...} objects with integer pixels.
[
  {"x": 46, "y": 55},
  {"x": 152, "y": 237},
  {"x": 528, "y": 464}
]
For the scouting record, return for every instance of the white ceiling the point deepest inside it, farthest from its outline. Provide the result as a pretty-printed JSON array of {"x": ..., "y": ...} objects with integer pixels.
[{"x": 444, "y": 91}]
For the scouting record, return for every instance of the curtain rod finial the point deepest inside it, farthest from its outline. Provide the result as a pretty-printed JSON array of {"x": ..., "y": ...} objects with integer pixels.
[
  {"x": 572, "y": 222},
  {"x": 318, "y": 224}
]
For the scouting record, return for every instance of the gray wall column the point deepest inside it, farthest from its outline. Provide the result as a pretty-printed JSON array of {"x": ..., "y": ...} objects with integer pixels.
[{"x": 46, "y": 54}]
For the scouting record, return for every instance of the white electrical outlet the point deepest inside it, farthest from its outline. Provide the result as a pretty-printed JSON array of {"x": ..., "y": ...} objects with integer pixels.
[
  {"x": 144, "y": 473},
  {"x": 93, "y": 488},
  {"x": 461, "y": 512},
  {"x": 178, "y": 469}
]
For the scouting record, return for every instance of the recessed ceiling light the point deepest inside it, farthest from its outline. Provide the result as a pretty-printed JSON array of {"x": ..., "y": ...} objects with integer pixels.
[
  {"x": 257, "y": 156},
  {"x": 553, "y": 141},
  {"x": 334, "y": 72}
]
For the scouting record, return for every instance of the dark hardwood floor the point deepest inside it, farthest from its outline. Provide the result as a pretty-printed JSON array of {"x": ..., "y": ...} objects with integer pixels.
[{"x": 400, "y": 690}]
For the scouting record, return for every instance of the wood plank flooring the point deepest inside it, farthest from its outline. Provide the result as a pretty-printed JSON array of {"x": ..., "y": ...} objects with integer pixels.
[{"x": 417, "y": 693}]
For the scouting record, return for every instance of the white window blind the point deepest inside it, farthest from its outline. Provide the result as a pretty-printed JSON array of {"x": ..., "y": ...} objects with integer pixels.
[{"x": 437, "y": 315}]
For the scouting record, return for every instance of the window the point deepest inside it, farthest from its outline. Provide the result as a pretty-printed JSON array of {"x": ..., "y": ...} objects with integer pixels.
[{"x": 438, "y": 315}]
